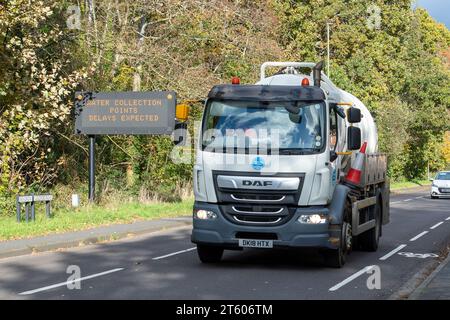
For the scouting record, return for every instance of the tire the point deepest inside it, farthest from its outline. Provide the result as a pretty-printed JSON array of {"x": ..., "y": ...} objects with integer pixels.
[
  {"x": 336, "y": 258},
  {"x": 434, "y": 197},
  {"x": 370, "y": 239},
  {"x": 209, "y": 254}
]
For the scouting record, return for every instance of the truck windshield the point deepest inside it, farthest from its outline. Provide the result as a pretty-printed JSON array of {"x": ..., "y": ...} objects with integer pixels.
[{"x": 255, "y": 126}]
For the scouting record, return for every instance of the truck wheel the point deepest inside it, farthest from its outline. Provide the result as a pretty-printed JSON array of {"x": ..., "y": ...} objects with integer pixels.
[
  {"x": 336, "y": 258},
  {"x": 369, "y": 240},
  {"x": 209, "y": 254}
]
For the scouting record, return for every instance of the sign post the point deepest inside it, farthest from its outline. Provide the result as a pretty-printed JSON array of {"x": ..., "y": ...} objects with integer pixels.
[
  {"x": 131, "y": 113},
  {"x": 91, "y": 168}
]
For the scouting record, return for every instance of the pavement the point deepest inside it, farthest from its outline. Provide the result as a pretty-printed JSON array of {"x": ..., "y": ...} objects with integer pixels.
[
  {"x": 85, "y": 237},
  {"x": 164, "y": 265},
  {"x": 436, "y": 286}
]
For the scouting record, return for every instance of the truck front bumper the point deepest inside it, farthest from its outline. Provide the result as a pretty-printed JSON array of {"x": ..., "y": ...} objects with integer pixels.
[{"x": 222, "y": 232}]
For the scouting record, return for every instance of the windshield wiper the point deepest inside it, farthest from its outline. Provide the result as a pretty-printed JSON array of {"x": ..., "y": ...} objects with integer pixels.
[
  {"x": 281, "y": 151},
  {"x": 296, "y": 151}
]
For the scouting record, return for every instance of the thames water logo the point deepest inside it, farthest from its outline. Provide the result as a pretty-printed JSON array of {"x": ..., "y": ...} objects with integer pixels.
[{"x": 258, "y": 163}]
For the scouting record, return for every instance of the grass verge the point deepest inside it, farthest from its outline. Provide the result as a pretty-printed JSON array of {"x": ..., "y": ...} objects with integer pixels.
[
  {"x": 64, "y": 220},
  {"x": 409, "y": 184}
]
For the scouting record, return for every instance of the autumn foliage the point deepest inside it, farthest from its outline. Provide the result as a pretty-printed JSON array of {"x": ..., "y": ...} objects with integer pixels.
[{"x": 399, "y": 69}]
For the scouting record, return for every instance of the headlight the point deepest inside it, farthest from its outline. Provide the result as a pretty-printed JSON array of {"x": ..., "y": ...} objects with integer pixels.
[
  {"x": 433, "y": 185},
  {"x": 205, "y": 214},
  {"x": 313, "y": 218}
]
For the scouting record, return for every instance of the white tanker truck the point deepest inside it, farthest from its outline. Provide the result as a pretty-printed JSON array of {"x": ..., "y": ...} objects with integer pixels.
[{"x": 289, "y": 162}]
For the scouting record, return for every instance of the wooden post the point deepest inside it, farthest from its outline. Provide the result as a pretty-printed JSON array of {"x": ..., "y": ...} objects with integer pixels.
[
  {"x": 33, "y": 209},
  {"x": 17, "y": 209},
  {"x": 47, "y": 208}
]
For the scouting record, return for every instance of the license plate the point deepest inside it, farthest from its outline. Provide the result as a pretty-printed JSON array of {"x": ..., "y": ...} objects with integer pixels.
[
  {"x": 253, "y": 243},
  {"x": 445, "y": 190}
]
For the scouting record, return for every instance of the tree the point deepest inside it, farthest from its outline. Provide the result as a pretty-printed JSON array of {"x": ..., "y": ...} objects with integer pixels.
[
  {"x": 38, "y": 78},
  {"x": 389, "y": 57}
]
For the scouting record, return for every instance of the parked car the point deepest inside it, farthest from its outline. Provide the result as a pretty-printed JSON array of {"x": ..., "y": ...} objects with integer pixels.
[{"x": 440, "y": 187}]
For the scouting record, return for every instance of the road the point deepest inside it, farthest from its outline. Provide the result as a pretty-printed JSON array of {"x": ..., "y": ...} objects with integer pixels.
[{"x": 164, "y": 265}]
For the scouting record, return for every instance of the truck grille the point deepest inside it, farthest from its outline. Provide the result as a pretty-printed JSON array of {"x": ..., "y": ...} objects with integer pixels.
[
  {"x": 255, "y": 207},
  {"x": 444, "y": 190},
  {"x": 257, "y": 197}
]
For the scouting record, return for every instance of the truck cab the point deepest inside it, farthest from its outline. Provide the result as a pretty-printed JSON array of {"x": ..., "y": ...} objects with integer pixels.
[{"x": 271, "y": 163}]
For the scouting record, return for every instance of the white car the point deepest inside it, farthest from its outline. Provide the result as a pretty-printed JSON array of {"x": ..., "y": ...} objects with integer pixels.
[{"x": 440, "y": 187}]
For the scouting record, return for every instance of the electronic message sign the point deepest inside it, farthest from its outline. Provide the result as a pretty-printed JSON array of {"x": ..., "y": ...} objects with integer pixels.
[{"x": 146, "y": 113}]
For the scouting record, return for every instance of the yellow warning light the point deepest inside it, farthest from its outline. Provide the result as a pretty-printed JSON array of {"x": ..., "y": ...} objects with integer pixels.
[{"x": 182, "y": 112}]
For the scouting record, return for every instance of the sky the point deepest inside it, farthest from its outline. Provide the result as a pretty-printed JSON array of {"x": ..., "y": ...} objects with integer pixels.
[{"x": 438, "y": 9}]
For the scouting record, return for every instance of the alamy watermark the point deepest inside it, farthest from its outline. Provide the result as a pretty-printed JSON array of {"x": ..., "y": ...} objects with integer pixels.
[
  {"x": 74, "y": 17},
  {"x": 233, "y": 146},
  {"x": 74, "y": 280},
  {"x": 374, "y": 17},
  {"x": 374, "y": 280}
]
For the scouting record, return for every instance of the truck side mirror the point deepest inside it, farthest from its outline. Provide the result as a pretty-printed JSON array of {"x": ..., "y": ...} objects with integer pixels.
[
  {"x": 179, "y": 136},
  {"x": 353, "y": 138},
  {"x": 180, "y": 131},
  {"x": 353, "y": 115}
]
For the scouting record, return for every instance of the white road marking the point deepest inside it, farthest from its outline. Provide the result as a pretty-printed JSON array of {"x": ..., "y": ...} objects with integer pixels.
[
  {"x": 61, "y": 284},
  {"x": 386, "y": 256},
  {"x": 437, "y": 225},
  {"x": 418, "y": 255},
  {"x": 406, "y": 200},
  {"x": 418, "y": 236},
  {"x": 447, "y": 219},
  {"x": 174, "y": 253},
  {"x": 351, "y": 278}
]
